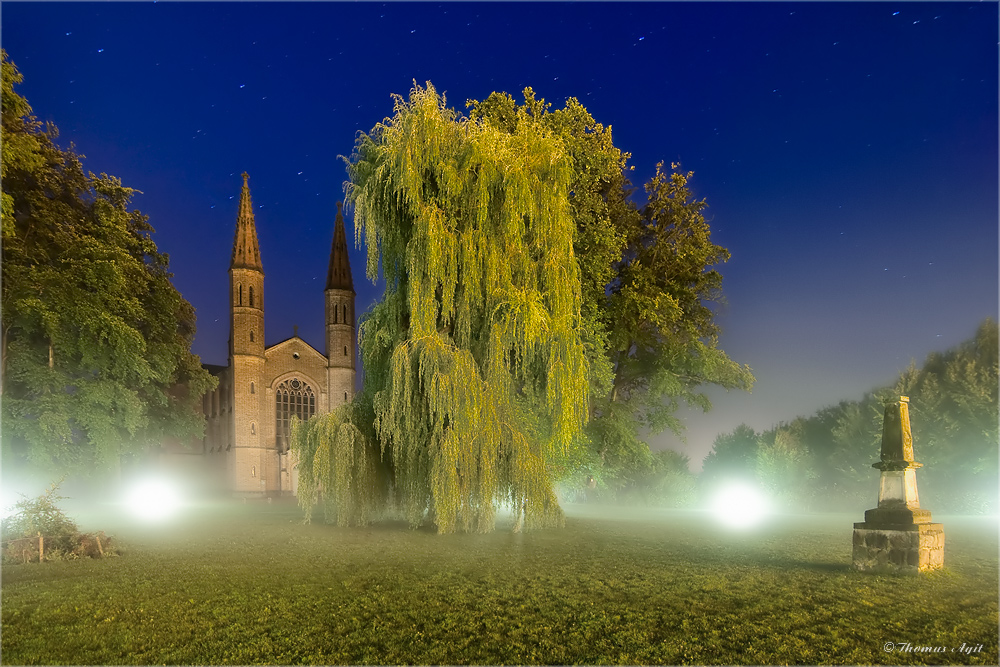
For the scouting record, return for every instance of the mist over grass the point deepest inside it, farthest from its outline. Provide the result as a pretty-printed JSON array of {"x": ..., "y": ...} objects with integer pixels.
[{"x": 228, "y": 583}]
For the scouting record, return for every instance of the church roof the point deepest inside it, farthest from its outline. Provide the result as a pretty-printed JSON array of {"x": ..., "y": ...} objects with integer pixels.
[
  {"x": 294, "y": 342},
  {"x": 246, "y": 252},
  {"x": 339, "y": 274}
]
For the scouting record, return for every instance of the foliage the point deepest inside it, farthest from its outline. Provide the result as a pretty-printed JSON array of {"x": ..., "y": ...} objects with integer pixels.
[
  {"x": 481, "y": 315},
  {"x": 665, "y": 481},
  {"x": 857, "y": 441},
  {"x": 953, "y": 411},
  {"x": 338, "y": 465},
  {"x": 647, "y": 285},
  {"x": 829, "y": 455},
  {"x": 733, "y": 455},
  {"x": 953, "y": 414},
  {"x": 658, "y": 588},
  {"x": 41, "y": 514},
  {"x": 783, "y": 468},
  {"x": 663, "y": 345},
  {"x": 595, "y": 289},
  {"x": 599, "y": 204},
  {"x": 61, "y": 537},
  {"x": 96, "y": 342}
]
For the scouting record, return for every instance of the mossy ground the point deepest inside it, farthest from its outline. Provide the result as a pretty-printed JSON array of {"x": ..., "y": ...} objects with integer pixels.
[{"x": 249, "y": 584}]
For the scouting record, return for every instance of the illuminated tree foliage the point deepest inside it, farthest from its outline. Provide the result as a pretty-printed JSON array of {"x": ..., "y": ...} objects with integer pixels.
[
  {"x": 648, "y": 282},
  {"x": 339, "y": 466},
  {"x": 96, "y": 361},
  {"x": 481, "y": 317}
]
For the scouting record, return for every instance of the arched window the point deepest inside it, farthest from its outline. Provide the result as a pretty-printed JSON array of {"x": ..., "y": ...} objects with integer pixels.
[
  {"x": 345, "y": 313},
  {"x": 345, "y": 350},
  {"x": 293, "y": 397},
  {"x": 251, "y": 296},
  {"x": 335, "y": 312},
  {"x": 239, "y": 301},
  {"x": 252, "y": 388},
  {"x": 345, "y": 397},
  {"x": 253, "y": 429},
  {"x": 251, "y": 335}
]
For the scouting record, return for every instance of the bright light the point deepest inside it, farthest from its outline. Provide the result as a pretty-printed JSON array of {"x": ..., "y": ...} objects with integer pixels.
[
  {"x": 153, "y": 500},
  {"x": 739, "y": 506},
  {"x": 8, "y": 504}
]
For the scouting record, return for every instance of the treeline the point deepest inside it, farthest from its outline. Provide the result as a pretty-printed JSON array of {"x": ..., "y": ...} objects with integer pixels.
[
  {"x": 823, "y": 462},
  {"x": 96, "y": 362}
]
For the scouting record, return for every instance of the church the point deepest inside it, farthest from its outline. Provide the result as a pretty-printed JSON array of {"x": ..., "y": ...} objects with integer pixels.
[{"x": 247, "y": 416}]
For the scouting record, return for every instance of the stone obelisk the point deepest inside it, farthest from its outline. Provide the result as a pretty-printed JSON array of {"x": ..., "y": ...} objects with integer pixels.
[{"x": 898, "y": 536}]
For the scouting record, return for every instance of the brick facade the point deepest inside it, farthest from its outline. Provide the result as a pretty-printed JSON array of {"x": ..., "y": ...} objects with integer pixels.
[{"x": 262, "y": 385}]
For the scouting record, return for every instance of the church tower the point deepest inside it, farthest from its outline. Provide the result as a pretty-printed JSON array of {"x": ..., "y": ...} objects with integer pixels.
[
  {"x": 340, "y": 334},
  {"x": 249, "y": 468}
]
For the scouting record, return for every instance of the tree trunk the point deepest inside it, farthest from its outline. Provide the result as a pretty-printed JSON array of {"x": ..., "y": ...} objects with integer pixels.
[{"x": 618, "y": 372}]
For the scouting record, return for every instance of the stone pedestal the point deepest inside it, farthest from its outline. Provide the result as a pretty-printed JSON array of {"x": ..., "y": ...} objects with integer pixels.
[{"x": 898, "y": 549}]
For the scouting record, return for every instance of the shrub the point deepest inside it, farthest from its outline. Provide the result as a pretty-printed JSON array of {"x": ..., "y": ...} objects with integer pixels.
[{"x": 61, "y": 537}]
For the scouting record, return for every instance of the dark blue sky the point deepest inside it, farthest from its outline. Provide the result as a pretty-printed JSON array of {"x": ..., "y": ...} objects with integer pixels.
[{"x": 848, "y": 151}]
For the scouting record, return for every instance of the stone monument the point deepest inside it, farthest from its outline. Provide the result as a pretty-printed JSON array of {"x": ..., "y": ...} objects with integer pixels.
[{"x": 898, "y": 536}]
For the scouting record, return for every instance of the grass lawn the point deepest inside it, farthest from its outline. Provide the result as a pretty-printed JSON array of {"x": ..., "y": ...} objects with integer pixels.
[{"x": 249, "y": 584}]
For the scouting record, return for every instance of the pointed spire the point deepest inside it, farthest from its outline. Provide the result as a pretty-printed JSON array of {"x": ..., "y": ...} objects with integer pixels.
[
  {"x": 246, "y": 252},
  {"x": 339, "y": 274}
]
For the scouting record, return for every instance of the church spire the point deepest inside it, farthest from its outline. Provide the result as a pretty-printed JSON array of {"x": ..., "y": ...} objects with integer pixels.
[
  {"x": 246, "y": 252},
  {"x": 339, "y": 274}
]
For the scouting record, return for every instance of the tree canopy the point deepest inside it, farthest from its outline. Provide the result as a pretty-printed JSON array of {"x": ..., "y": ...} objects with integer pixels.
[
  {"x": 525, "y": 295},
  {"x": 96, "y": 342},
  {"x": 647, "y": 281},
  {"x": 474, "y": 362}
]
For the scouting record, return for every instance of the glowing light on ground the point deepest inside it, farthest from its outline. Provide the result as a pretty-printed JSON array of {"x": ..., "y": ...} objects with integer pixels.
[
  {"x": 153, "y": 500},
  {"x": 739, "y": 506}
]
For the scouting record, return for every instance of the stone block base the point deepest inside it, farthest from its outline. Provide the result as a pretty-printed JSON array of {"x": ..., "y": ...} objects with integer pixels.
[{"x": 905, "y": 549}]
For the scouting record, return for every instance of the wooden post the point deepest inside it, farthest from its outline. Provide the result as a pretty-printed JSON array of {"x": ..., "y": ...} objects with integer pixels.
[
  {"x": 41, "y": 547},
  {"x": 99, "y": 549}
]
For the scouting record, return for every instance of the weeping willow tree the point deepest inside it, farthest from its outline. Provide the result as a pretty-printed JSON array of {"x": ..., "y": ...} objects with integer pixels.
[
  {"x": 338, "y": 468},
  {"x": 474, "y": 365}
]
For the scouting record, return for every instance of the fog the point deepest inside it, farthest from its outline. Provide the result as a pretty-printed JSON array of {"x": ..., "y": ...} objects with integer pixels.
[{"x": 95, "y": 506}]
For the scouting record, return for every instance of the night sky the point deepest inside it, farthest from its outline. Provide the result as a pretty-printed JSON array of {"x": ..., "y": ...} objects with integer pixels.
[{"x": 848, "y": 151}]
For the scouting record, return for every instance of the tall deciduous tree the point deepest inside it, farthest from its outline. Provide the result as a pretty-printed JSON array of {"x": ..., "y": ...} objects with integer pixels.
[
  {"x": 733, "y": 455},
  {"x": 783, "y": 466},
  {"x": 96, "y": 341},
  {"x": 664, "y": 344},
  {"x": 648, "y": 282},
  {"x": 474, "y": 360}
]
